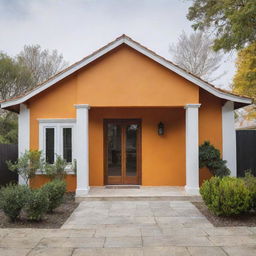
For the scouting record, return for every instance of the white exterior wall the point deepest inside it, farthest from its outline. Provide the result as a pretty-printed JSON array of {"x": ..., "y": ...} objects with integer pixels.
[
  {"x": 23, "y": 132},
  {"x": 229, "y": 136},
  {"x": 192, "y": 158}
]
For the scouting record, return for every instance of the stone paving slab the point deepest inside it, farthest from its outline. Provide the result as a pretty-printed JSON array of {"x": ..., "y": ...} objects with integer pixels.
[
  {"x": 240, "y": 251},
  {"x": 51, "y": 252},
  {"x": 108, "y": 252},
  {"x": 13, "y": 251},
  {"x": 207, "y": 251},
  {"x": 164, "y": 228},
  {"x": 71, "y": 242}
]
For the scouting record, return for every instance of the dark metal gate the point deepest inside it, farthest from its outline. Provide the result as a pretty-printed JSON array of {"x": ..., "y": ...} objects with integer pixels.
[
  {"x": 246, "y": 151},
  {"x": 7, "y": 152}
]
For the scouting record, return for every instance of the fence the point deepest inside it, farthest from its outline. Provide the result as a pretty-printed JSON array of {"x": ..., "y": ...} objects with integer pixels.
[
  {"x": 7, "y": 152},
  {"x": 246, "y": 151}
]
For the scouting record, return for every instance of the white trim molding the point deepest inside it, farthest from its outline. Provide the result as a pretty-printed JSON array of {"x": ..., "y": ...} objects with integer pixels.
[
  {"x": 229, "y": 137},
  {"x": 23, "y": 133},
  {"x": 56, "y": 120},
  {"x": 82, "y": 146},
  {"x": 138, "y": 47},
  {"x": 77, "y": 106},
  {"x": 192, "y": 159},
  {"x": 57, "y": 124}
]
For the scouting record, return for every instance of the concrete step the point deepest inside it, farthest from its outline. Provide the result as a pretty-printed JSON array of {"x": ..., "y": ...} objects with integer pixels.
[{"x": 139, "y": 198}]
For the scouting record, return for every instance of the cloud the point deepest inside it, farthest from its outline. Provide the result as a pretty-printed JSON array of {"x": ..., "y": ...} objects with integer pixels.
[
  {"x": 14, "y": 9},
  {"x": 78, "y": 27}
]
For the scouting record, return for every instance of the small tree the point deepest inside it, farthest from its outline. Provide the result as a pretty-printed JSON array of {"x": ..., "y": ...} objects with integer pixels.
[
  {"x": 27, "y": 164},
  {"x": 56, "y": 170},
  {"x": 209, "y": 157}
]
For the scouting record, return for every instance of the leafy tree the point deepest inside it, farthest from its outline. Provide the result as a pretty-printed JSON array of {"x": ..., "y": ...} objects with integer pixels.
[
  {"x": 245, "y": 78},
  {"x": 18, "y": 75},
  {"x": 194, "y": 53},
  {"x": 233, "y": 21},
  {"x": 42, "y": 63},
  {"x": 8, "y": 128},
  {"x": 14, "y": 78},
  {"x": 244, "y": 81}
]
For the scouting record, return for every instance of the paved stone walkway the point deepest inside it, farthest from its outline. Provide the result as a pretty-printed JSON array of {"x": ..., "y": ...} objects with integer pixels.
[{"x": 131, "y": 228}]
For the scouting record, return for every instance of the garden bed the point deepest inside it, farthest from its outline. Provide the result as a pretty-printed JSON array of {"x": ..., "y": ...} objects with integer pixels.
[
  {"x": 248, "y": 219},
  {"x": 50, "y": 220}
]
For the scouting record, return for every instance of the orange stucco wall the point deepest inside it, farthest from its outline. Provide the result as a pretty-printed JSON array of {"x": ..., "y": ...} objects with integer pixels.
[
  {"x": 210, "y": 124},
  {"x": 126, "y": 84},
  {"x": 40, "y": 180},
  {"x": 163, "y": 157}
]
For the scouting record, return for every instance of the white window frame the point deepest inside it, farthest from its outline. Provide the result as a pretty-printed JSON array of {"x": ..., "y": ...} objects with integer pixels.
[{"x": 58, "y": 125}]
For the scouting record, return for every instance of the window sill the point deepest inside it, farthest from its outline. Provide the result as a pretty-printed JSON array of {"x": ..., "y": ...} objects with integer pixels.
[{"x": 68, "y": 170}]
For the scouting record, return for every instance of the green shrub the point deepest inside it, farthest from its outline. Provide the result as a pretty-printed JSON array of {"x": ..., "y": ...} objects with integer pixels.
[
  {"x": 226, "y": 196},
  {"x": 27, "y": 164},
  {"x": 209, "y": 157},
  {"x": 56, "y": 170},
  {"x": 55, "y": 191},
  {"x": 12, "y": 200},
  {"x": 37, "y": 204},
  {"x": 250, "y": 182}
]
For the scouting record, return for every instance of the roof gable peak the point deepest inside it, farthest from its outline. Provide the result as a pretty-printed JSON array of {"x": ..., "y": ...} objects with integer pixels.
[{"x": 124, "y": 39}]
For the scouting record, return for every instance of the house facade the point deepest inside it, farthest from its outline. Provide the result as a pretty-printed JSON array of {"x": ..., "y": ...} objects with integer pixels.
[{"x": 127, "y": 116}]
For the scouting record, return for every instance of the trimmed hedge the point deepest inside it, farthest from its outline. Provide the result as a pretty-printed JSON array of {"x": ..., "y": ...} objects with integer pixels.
[
  {"x": 37, "y": 204},
  {"x": 250, "y": 182},
  {"x": 55, "y": 190},
  {"x": 12, "y": 199},
  {"x": 226, "y": 196}
]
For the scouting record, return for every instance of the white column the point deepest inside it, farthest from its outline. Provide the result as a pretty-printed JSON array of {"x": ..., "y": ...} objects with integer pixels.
[
  {"x": 23, "y": 133},
  {"x": 229, "y": 136},
  {"x": 192, "y": 157},
  {"x": 82, "y": 149}
]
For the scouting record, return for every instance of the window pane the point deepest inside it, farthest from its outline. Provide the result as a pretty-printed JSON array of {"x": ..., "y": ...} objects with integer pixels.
[
  {"x": 67, "y": 144},
  {"x": 114, "y": 150},
  {"x": 49, "y": 149},
  {"x": 131, "y": 149}
]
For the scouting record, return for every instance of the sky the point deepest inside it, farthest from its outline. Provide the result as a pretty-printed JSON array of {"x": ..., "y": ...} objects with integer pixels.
[{"x": 76, "y": 28}]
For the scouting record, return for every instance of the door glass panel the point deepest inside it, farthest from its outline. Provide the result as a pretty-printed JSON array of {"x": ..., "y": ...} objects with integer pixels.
[
  {"x": 131, "y": 149},
  {"x": 114, "y": 149}
]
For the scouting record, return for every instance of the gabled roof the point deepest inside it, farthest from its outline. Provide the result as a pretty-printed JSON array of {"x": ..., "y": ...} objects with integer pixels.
[{"x": 143, "y": 50}]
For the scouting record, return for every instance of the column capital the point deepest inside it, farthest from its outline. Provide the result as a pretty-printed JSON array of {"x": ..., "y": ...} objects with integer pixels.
[
  {"x": 87, "y": 106},
  {"x": 192, "y": 106}
]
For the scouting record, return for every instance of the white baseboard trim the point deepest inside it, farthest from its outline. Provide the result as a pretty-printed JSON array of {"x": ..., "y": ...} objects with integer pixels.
[
  {"x": 80, "y": 192},
  {"x": 192, "y": 190}
]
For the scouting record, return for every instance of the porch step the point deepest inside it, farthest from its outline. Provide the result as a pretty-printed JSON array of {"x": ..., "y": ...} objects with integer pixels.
[
  {"x": 122, "y": 186},
  {"x": 137, "y": 193},
  {"x": 139, "y": 198}
]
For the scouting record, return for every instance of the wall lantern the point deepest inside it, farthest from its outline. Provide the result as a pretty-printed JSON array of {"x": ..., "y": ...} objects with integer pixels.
[{"x": 160, "y": 128}]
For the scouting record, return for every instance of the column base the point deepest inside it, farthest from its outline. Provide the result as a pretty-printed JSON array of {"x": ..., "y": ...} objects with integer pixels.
[
  {"x": 192, "y": 190},
  {"x": 82, "y": 192},
  {"x": 21, "y": 181}
]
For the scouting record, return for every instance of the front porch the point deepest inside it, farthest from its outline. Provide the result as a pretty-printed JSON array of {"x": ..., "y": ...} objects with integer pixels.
[{"x": 114, "y": 156}]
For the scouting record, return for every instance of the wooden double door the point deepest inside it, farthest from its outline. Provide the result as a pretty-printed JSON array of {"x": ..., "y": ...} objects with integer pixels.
[{"x": 122, "y": 151}]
